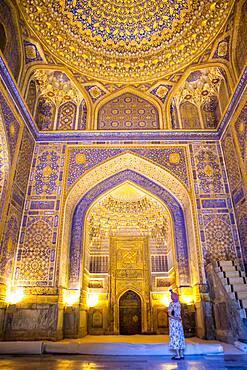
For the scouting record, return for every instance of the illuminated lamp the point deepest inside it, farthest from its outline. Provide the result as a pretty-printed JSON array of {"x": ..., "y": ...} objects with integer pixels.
[
  {"x": 92, "y": 299},
  {"x": 14, "y": 294},
  {"x": 187, "y": 299},
  {"x": 71, "y": 297},
  {"x": 165, "y": 300}
]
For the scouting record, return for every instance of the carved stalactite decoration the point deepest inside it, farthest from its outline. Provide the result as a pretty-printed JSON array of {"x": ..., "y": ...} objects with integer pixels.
[
  {"x": 200, "y": 101},
  {"x": 157, "y": 37},
  {"x": 57, "y": 102}
]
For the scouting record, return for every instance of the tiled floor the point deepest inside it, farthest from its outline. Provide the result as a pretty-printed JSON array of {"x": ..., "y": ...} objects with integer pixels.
[{"x": 65, "y": 362}]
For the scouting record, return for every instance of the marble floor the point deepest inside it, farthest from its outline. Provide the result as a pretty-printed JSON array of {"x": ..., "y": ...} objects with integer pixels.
[{"x": 65, "y": 362}]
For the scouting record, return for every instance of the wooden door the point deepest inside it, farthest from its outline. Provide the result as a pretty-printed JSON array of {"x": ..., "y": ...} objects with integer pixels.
[{"x": 130, "y": 313}]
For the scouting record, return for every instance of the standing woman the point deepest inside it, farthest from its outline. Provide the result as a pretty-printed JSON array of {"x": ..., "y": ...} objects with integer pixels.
[{"x": 176, "y": 331}]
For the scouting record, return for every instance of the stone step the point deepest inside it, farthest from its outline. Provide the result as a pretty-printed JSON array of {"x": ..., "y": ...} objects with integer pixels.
[
  {"x": 239, "y": 288},
  {"x": 233, "y": 274},
  {"x": 235, "y": 284},
  {"x": 129, "y": 349},
  {"x": 236, "y": 280},
  {"x": 228, "y": 268},
  {"x": 226, "y": 274},
  {"x": 242, "y": 295},
  {"x": 225, "y": 263}
]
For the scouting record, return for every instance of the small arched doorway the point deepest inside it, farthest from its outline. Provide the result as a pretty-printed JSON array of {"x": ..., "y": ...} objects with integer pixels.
[{"x": 130, "y": 313}]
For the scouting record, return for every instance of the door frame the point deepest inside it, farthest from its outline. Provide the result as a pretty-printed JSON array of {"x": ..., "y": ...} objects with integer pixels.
[
  {"x": 142, "y": 288},
  {"x": 141, "y": 307}
]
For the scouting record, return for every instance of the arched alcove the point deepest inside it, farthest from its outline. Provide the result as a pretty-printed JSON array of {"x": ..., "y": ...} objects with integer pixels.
[
  {"x": 57, "y": 99},
  {"x": 77, "y": 232},
  {"x": 31, "y": 96},
  {"x": 139, "y": 110},
  {"x": 130, "y": 316},
  {"x": 10, "y": 40},
  {"x": 102, "y": 178},
  {"x": 45, "y": 113},
  {"x": 128, "y": 244},
  {"x": 197, "y": 87},
  {"x": 189, "y": 115},
  {"x": 128, "y": 112},
  {"x": 66, "y": 116}
]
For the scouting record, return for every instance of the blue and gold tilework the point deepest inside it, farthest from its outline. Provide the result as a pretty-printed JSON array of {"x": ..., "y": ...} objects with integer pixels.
[
  {"x": 126, "y": 41},
  {"x": 217, "y": 225},
  {"x": 128, "y": 112}
]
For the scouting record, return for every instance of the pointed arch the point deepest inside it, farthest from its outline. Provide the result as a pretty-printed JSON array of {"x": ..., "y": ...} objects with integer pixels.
[
  {"x": 131, "y": 91},
  {"x": 189, "y": 114},
  {"x": 149, "y": 176},
  {"x": 82, "y": 116},
  {"x": 181, "y": 242},
  {"x": 31, "y": 69},
  {"x": 45, "y": 113},
  {"x": 66, "y": 116},
  {"x": 229, "y": 80},
  {"x": 130, "y": 296},
  {"x": 12, "y": 41},
  {"x": 31, "y": 96}
]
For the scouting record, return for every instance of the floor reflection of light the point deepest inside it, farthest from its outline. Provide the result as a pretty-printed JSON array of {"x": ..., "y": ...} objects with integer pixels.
[
  {"x": 62, "y": 364},
  {"x": 168, "y": 366},
  {"x": 90, "y": 366}
]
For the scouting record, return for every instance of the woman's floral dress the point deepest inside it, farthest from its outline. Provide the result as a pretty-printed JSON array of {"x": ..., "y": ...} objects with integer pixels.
[{"x": 176, "y": 331}]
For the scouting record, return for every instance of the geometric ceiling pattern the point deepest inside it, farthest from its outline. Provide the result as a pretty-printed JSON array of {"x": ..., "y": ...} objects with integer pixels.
[{"x": 126, "y": 40}]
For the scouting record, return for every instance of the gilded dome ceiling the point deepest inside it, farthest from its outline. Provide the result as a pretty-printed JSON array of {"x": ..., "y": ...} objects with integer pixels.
[{"x": 126, "y": 40}]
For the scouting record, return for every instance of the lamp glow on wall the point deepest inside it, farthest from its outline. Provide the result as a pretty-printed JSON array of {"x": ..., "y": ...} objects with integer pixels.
[
  {"x": 92, "y": 299},
  {"x": 166, "y": 299},
  {"x": 14, "y": 294},
  {"x": 187, "y": 299},
  {"x": 71, "y": 297}
]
